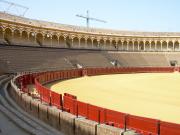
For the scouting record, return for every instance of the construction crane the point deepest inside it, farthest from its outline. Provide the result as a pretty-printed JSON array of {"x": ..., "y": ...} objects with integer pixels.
[
  {"x": 11, "y": 5},
  {"x": 89, "y": 18}
]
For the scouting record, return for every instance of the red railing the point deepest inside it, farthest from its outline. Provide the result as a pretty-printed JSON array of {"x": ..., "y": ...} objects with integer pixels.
[
  {"x": 71, "y": 104},
  {"x": 169, "y": 128}
]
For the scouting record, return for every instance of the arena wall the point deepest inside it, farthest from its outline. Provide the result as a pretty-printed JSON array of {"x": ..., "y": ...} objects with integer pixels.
[{"x": 76, "y": 117}]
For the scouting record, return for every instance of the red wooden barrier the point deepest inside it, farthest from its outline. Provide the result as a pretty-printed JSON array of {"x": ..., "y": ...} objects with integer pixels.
[
  {"x": 71, "y": 73},
  {"x": 37, "y": 85},
  {"x": 70, "y": 95},
  {"x": 117, "y": 118},
  {"x": 68, "y": 74},
  {"x": 65, "y": 74},
  {"x": 46, "y": 95},
  {"x": 143, "y": 125},
  {"x": 84, "y": 72},
  {"x": 82, "y": 109},
  {"x": 94, "y": 113},
  {"x": 169, "y": 128},
  {"x": 98, "y": 114},
  {"x": 56, "y": 99},
  {"x": 61, "y": 75},
  {"x": 76, "y": 73},
  {"x": 70, "y": 104}
]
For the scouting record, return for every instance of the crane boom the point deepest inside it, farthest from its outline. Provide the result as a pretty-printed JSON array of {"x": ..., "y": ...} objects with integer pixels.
[
  {"x": 95, "y": 19},
  {"x": 11, "y": 4},
  {"x": 90, "y": 18}
]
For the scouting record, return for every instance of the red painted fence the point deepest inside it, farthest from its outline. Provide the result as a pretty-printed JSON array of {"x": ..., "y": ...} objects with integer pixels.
[
  {"x": 145, "y": 126},
  {"x": 169, "y": 128}
]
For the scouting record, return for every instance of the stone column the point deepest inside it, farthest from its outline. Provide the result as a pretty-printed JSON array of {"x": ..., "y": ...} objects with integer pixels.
[
  {"x": 110, "y": 44},
  {"x": 122, "y": 45},
  {"x": 144, "y": 42},
  {"x": 43, "y": 40},
  {"x": 116, "y": 45},
  {"x": 161, "y": 45},
  {"x": 150, "y": 44},
  {"x": 65, "y": 42},
  {"x": 127, "y": 46},
  {"x": 34, "y": 38},
  {"x": 98, "y": 43},
  {"x": 28, "y": 36},
  {"x": 92, "y": 42},
  {"x": 173, "y": 46},
  {"x": 51, "y": 40},
  {"x": 12, "y": 35},
  {"x": 20, "y": 35},
  {"x": 72, "y": 43},
  {"x": 155, "y": 45},
  {"x": 58, "y": 40},
  {"x": 79, "y": 40},
  {"x": 85, "y": 42},
  {"x": 3, "y": 34},
  {"x": 133, "y": 45},
  {"x": 104, "y": 46},
  {"x": 138, "y": 45}
]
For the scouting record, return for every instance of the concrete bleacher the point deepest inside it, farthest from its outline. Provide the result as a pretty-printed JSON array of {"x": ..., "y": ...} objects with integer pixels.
[
  {"x": 91, "y": 59},
  {"x": 145, "y": 59},
  {"x": 18, "y": 58}
]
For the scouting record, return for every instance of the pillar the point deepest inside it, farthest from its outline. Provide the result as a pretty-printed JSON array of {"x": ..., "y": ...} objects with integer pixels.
[
  {"x": 127, "y": 45},
  {"x": 12, "y": 36},
  {"x": 98, "y": 43},
  {"x": 72, "y": 42},
  {"x": 51, "y": 40},
  {"x": 150, "y": 43},
  {"x": 104, "y": 46},
  {"x": 155, "y": 45},
  {"x": 3, "y": 33},
  {"x": 144, "y": 45},
  {"x": 132, "y": 45},
  {"x": 34, "y": 38},
  {"x": 122, "y": 45},
  {"x": 85, "y": 42},
  {"x": 43, "y": 39},
  {"x": 65, "y": 42},
  {"x": 58, "y": 40},
  {"x": 161, "y": 45},
  {"x": 20, "y": 34},
  {"x": 79, "y": 39},
  {"x": 116, "y": 45},
  {"x": 28, "y": 37},
  {"x": 138, "y": 45},
  {"x": 110, "y": 44},
  {"x": 92, "y": 42}
]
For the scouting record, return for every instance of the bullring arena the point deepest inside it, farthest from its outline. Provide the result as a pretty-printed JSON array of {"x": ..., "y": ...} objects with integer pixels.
[
  {"x": 153, "y": 95},
  {"x": 71, "y": 80}
]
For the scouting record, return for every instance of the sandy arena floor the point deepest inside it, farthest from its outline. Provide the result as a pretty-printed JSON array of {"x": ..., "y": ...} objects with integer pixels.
[{"x": 154, "y": 95}]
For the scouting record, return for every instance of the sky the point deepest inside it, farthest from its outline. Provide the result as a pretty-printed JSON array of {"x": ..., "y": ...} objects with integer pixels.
[{"x": 131, "y": 15}]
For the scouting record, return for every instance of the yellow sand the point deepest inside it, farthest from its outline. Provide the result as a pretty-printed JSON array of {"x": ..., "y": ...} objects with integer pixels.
[{"x": 150, "y": 95}]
